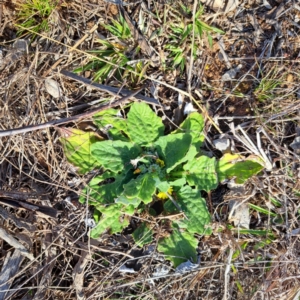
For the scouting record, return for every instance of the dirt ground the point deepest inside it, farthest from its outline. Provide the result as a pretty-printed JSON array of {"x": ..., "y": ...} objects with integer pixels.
[{"x": 248, "y": 78}]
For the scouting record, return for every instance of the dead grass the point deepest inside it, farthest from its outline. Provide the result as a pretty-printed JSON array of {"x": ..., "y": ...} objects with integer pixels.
[{"x": 264, "y": 94}]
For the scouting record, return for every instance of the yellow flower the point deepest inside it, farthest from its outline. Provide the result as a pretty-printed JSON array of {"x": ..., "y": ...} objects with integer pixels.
[
  {"x": 160, "y": 162},
  {"x": 164, "y": 196}
]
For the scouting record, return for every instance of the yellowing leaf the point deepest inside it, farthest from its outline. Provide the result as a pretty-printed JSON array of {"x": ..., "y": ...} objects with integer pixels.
[
  {"x": 238, "y": 167},
  {"x": 77, "y": 148}
]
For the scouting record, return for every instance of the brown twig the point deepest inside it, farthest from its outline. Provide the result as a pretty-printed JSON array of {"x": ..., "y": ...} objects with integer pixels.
[
  {"x": 114, "y": 91},
  {"x": 55, "y": 123}
]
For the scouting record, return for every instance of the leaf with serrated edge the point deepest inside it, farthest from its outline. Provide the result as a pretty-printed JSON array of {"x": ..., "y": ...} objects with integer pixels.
[
  {"x": 77, "y": 148},
  {"x": 144, "y": 126},
  {"x": 238, "y": 167},
  {"x": 143, "y": 235},
  {"x": 194, "y": 125},
  {"x": 109, "y": 117},
  {"x": 97, "y": 193},
  {"x": 115, "y": 155},
  {"x": 135, "y": 202},
  {"x": 179, "y": 247},
  {"x": 163, "y": 186},
  {"x": 114, "y": 218},
  {"x": 178, "y": 182},
  {"x": 195, "y": 210},
  {"x": 143, "y": 187},
  {"x": 170, "y": 208},
  {"x": 173, "y": 148},
  {"x": 201, "y": 172}
]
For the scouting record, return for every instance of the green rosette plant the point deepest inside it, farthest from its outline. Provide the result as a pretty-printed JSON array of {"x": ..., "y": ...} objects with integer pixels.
[{"x": 139, "y": 165}]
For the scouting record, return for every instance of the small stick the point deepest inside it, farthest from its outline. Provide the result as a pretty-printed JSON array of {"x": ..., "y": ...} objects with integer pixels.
[
  {"x": 8, "y": 238},
  {"x": 55, "y": 123},
  {"x": 114, "y": 91}
]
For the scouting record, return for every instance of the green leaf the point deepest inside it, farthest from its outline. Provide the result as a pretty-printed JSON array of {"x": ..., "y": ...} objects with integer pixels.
[
  {"x": 194, "y": 125},
  {"x": 118, "y": 125},
  {"x": 144, "y": 126},
  {"x": 97, "y": 215},
  {"x": 119, "y": 29},
  {"x": 163, "y": 186},
  {"x": 198, "y": 29},
  {"x": 115, "y": 155},
  {"x": 185, "y": 9},
  {"x": 199, "y": 12},
  {"x": 112, "y": 219},
  {"x": 178, "y": 182},
  {"x": 238, "y": 167},
  {"x": 173, "y": 48},
  {"x": 186, "y": 32},
  {"x": 178, "y": 59},
  {"x": 179, "y": 247},
  {"x": 217, "y": 30},
  {"x": 173, "y": 148},
  {"x": 135, "y": 202},
  {"x": 201, "y": 173},
  {"x": 170, "y": 208},
  {"x": 143, "y": 235},
  {"x": 100, "y": 192},
  {"x": 129, "y": 210},
  {"x": 253, "y": 232},
  {"x": 210, "y": 40},
  {"x": 195, "y": 209},
  {"x": 143, "y": 187},
  {"x": 203, "y": 25},
  {"x": 77, "y": 148},
  {"x": 263, "y": 210}
]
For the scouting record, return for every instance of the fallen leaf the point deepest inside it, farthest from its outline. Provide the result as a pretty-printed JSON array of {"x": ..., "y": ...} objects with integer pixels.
[{"x": 52, "y": 87}]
